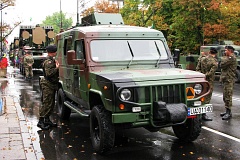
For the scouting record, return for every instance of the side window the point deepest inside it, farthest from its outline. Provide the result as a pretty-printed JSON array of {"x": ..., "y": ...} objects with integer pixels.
[
  {"x": 79, "y": 48},
  {"x": 67, "y": 45}
]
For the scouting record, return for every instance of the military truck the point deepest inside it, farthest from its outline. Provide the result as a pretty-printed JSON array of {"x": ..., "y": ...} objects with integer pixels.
[
  {"x": 35, "y": 39},
  {"x": 123, "y": 76}
]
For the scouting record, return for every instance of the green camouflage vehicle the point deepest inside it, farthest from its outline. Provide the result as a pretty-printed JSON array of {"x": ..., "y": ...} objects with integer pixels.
[
  {"x": 35, "y": 39},
  {"x": 190, "y": 61},
  {"x": 124, "y": 76}
]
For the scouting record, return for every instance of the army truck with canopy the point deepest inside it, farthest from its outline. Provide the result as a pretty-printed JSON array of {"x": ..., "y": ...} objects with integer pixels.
[
  {"x": 123, "y": 76},
  {"x": 35, "y": 39},
  {"x": 190, "y": 61}
]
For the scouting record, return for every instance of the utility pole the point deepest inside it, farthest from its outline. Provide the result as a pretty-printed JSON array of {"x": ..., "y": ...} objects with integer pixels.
[
  {"x": 77, "y": 14},
  {"x": 61, "y": 13}
]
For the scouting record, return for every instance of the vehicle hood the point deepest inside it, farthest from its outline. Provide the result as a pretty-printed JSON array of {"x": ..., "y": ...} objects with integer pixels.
[{"x": 134, "y": 75}]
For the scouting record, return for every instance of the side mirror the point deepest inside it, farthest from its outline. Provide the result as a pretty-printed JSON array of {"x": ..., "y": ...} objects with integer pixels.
[{"x": 71, "y": 58}]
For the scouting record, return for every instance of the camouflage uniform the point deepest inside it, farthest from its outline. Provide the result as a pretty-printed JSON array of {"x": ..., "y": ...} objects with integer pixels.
[
  {"x": 28, "y": 62},
  {"x": 49, "y": 85},
  {"x": 198, "y": 68},
  {"x": 229, "y": 67},
  {"x": 209, "y": 68}
]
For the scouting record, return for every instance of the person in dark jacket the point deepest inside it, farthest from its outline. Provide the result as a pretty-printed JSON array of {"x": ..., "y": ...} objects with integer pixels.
[{"x": 49, "y": 86}]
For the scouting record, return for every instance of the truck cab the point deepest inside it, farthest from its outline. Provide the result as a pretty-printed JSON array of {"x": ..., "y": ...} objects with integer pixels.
[{"x": 123, "y": 76}]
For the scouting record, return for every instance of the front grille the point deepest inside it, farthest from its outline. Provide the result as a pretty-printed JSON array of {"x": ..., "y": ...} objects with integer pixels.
[
  {"x": 165, "y": 93},
  {"x": 169, "y": 93}
]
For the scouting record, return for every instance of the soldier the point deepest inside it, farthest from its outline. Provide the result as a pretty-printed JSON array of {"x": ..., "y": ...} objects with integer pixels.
[
  {"x": 203, "y": 55},
  {"x": 49, "y": 86},
  {"x": 209, "y": 68},
  {"x": 28, "y": 62},
  {"x": 229, "y": 67}
]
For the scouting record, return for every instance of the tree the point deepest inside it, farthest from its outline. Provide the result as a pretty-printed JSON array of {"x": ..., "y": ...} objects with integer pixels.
[
  {"x": 7, "y": 29},
  {"x": 57, "y": 20},
  {"x": 102, "y": 6}
]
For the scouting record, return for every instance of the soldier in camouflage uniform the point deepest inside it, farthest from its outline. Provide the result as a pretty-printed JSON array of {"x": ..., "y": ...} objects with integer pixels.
[
  {"x": 203, "y": 55},
  {"x": 208, "y": 66},
  {"x": 28, "y": 62},
  {"x": 229, "y": 67},
  {"x": 49, "y": 86}
]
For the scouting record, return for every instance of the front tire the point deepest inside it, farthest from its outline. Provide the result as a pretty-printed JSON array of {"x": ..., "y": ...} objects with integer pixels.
[
  {"x": 101, "y": 130},
  {"x": 63, "y": 111},
  {"x": 189, "y": 131}
]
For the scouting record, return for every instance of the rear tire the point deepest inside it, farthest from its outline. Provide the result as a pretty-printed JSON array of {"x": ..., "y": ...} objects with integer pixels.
[
  {"x": 189, "y": 131},
  {"x": 237, "y": 76},
  {"x": 101, "y": 130},
  {"x": 63, "y": 111}
]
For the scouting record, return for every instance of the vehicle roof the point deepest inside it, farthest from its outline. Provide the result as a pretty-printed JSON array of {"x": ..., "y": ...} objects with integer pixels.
[{"x": 117, "y": 31}]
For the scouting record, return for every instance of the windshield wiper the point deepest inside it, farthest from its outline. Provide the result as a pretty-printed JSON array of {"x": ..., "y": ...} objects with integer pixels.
[
  {"x": 158, "y": 53},
  {"x": 131, "y": 54}
]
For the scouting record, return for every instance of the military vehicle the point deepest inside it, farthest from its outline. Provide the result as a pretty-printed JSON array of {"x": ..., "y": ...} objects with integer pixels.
[
  {"x": 35, "y": 39},
  {"x": 123, "y": 76},
  {"x": 190, "y": 61}
]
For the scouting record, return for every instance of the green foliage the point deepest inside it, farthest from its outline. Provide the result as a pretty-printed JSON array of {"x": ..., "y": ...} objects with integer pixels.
[
  {"x": 56, "y": 20},
  {"x": 187, "y": 24}
]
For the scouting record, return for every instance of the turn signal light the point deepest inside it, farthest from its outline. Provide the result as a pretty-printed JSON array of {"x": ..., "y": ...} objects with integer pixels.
[
  {"x": 121, "y": 106},
  {"x": 202, "y": 99},
  {"x": 89, "y": 86}
]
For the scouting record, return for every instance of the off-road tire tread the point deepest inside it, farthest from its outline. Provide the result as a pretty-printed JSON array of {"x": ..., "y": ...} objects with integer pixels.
[
  {"x": 107, "y": 142},
  {"x": 189, "y": 131},
  {"x": 65, "y": 111}
]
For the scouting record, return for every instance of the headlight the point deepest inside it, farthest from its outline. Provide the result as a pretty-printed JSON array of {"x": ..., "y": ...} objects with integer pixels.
[
  {"x": 125, "y": 94},
  {"x": 198, "y": 88}
]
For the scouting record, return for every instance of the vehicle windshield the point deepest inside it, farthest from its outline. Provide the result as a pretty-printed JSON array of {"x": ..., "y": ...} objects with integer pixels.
[{"x": 122, "y": 50}]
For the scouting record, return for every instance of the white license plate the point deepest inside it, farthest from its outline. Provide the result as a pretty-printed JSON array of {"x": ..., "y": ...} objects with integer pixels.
[{"x": 200, "y": 110}]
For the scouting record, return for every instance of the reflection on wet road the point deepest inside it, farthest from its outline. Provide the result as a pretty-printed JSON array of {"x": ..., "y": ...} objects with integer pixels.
[{"x": 71, "y": 139}]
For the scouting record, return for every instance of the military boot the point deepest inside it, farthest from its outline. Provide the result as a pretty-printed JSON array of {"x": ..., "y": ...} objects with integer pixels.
[
  {"x": 222, "y": 114},
  {"x": 228, "y": 115},
  {"x": 42, "y": 125},
  {"x": 48, "y": 122},
  {"x": 205, "y": 117}
]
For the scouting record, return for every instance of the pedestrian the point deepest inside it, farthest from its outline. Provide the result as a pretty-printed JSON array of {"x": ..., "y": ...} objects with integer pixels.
[
  {"x": 203, "y": 55},
  {"x": 229, "y": 67},
  {"x": 209, "y": 65},
  {"x": 49, "y": 86},
  {"x": 27, "y": 63}
]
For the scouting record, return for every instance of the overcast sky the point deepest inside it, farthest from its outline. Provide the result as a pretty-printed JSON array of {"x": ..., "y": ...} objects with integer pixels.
[{"x": 32, "y": 12}]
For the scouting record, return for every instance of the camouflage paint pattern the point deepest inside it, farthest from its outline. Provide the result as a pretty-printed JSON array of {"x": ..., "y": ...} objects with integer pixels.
[{"x": 88, "y": 82}]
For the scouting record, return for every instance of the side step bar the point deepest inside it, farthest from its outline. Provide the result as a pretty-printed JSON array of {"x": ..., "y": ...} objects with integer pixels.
[{"x": 83, "y": 113}]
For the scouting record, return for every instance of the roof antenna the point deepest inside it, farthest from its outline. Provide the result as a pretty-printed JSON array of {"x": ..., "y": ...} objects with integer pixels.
[
  {"x": 77, "y": 24},
  {"x": 61, "y": 12}
]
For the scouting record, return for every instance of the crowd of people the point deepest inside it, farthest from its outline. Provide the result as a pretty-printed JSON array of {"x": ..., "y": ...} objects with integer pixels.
[{"x": 207, "y": 64}]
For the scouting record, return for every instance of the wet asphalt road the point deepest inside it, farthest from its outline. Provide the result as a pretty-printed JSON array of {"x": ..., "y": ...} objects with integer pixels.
[{"x": 70, "y": 140}]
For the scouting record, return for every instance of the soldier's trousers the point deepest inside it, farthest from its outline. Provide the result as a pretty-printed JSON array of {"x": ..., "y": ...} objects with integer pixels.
[
  {"x": 48, "y": 101},
  {"x": 209, "y": 96},
  {"x": 28, "y": 71},
  {"x": 227, "y": 93}
]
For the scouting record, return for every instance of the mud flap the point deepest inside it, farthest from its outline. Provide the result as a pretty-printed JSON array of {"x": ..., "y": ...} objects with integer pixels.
[{"x": 169, "y": 113}]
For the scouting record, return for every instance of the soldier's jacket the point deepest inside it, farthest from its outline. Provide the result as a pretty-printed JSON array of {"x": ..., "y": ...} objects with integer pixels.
[
  {"x": 229, "y": 67},
  {"x": 198, "y": 68},
  {"x": 28, "y": 59},
  {"x": 209, "y": 65},
  {"x": 50, "y": 72}
]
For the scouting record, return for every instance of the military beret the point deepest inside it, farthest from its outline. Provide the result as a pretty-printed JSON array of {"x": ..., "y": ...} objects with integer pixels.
[
  {"x": 230, "y": 47},
  {"x": 51, "y": 48},
  {"x": 213, "y": 50}
]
